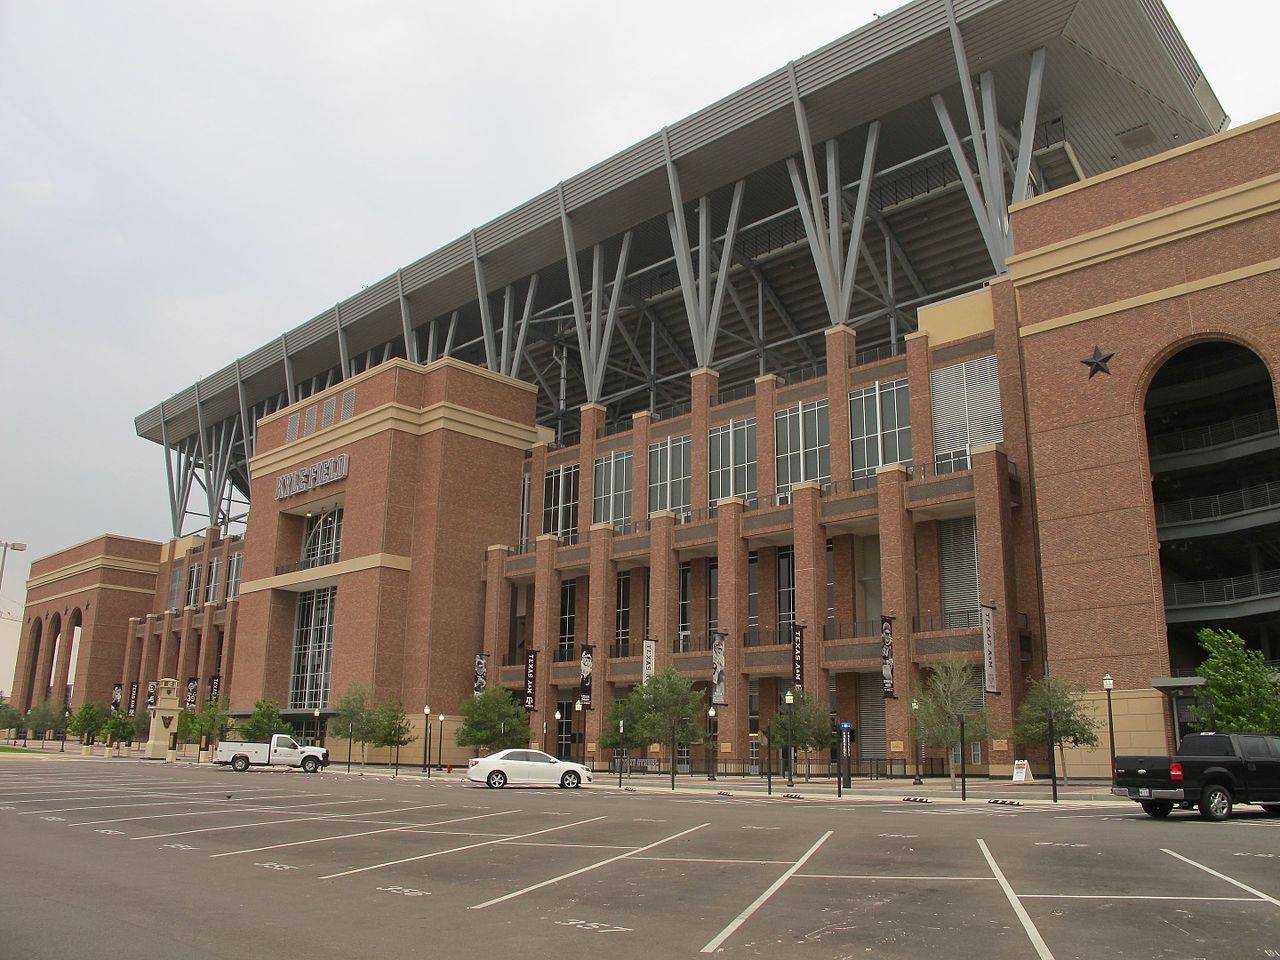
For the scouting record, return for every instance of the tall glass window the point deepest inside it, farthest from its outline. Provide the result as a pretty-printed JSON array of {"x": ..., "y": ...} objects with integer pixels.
[
  {"x": 879, "y": 427},
  {"x": 966, "y": 411},
  {"x": 713, "y": 597},
  {"x": 568, "y": 619},
  {"x": 193, "y": 585},
  {"x": 802, "y": 435},
  {"x": 731, "y": 460},
  {"x": 670, "y": 475},
  {"x": 233, "y": 575},
  {"x": 560, "y": 502},
  {"x": 753, "y": 589},
  {"x": 175, "y": 587},
  {"x": 322, "y": 542},
  {"x": 212, "y": 584},
  {"x": 611, "y": 498},
  {"x": 526, "y": 484},
  {"x": 622, "y": 613},
  {"x": 312, "y": 649},
  {"x": 686, "y": 581},
  {"x": 786, "y": 591}
]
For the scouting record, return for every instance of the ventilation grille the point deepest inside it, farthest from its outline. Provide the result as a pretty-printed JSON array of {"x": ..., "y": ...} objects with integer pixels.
[
  {"x": 326, "y": 418},
  {"x": 291, "y": 431},
  {"x": 348, "y": 405},
  {"x": 309, "y": 422}
]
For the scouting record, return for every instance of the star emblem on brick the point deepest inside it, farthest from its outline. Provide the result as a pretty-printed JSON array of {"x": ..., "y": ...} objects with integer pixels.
[{"x": 1098, "y": 362}]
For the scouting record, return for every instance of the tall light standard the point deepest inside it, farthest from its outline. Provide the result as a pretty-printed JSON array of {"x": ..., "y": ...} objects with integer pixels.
[
  {"x": 319, "y": 735},
  {"x": 1107, "y": 684},
  {"x": 426, "y": 740},
  {"x": 66, "y": 716},
  {"x": 440, "y": 740},
  {"x": 715, "y": 735},
  {"x": 558, "y": 747},
  {"x": 790, "y": 700},
  {"x": 915, "y": 722},
  {"x": 577, "y": 709},
  {"x": 5, "y": 546}
]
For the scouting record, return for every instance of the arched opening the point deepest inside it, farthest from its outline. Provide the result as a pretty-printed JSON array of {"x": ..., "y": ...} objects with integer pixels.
[
  {"x": 1215, "y": 468},
  {"x": 73, "y": 632},
  {"x": 35, "y": 635},
  {"x": 48, "y": 664}
]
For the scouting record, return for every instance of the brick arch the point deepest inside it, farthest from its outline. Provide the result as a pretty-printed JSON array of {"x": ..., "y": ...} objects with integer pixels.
[
  {"x": 66, "y": 651},
  {"x": 1142, "y": 382},
  {"x": 50, "y": 641},
  {"x": 27, "y": 667}
]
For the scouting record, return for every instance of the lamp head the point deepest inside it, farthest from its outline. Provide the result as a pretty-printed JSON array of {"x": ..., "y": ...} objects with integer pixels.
[
  {"x": 1107, "y": 682},
  {"x": 711, "y": 712},
  {"x": 557, "y": 714},
  {"x": 440, "y": 717},
  {"x": 789, "y": 698}
]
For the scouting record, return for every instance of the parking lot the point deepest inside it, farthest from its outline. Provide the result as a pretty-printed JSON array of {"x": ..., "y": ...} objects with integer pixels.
[{"x": 201, "y": 862}]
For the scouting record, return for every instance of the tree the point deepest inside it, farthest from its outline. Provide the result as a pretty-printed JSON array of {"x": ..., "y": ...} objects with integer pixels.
[
  {"x": 494, "y": 720},
  {"x": 951, "y": 692},
  {"x": 390, "y": 728},
  {"x": 42, "y": 718},
  {"x": 672, "y": 711},
  {"x": 353, "y": 717},
  {"x": 140, "y": 727},
  {"x": 1241, "y": 694},
  {"x": 804, "y": 725},
  {"x": 1073, "y": 724},
  {"x": 87, "y": 722},
  {"x": 187, "y": 727},
  {"x": 638, "y": 731},
  {"x": 118, "y": 728},
  {"x": 265, "y": 721},
  {"x": 10, "y": 718},
  {"x": 211, "y": 721}
]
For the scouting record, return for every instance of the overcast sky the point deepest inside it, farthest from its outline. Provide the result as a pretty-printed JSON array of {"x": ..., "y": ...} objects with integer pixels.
[{"x": 180, "y": 182}]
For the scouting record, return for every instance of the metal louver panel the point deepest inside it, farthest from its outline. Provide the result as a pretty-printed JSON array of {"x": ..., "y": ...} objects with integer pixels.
[
  {"x": 330, "y": 406},
  {"x": 966, "y": 405},
  {"x": 872, "y": 740},
  {"x": 348, "y": 405},
  {"x": 291, "y": 429},
  {"x": 982, "y": 400},
  {"x": 309, "y": 422},
  {"x": 958, "y": 557},
  {"x": 949, "y": 430}
]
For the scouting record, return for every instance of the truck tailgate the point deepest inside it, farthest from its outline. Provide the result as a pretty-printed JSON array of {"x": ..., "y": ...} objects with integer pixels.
[{"x": 1143, "y": 771}]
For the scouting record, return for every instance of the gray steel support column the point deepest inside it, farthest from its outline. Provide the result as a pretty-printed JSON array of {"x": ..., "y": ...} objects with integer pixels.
[
  {"x": 410, "y": 341},
  {"x": 448, "y": 340},
  {"x": 248, "y": 431},
  {"x": 525, "y": 322},
  {"x": 344, "y": 353},
  {"x": 291, "y": 388},
  {"x": 976, "y": 202},
  {"x": 486, "y": 319},
  {"x": 168, "y": 475},
  {"x": 1027, "y": 135}
]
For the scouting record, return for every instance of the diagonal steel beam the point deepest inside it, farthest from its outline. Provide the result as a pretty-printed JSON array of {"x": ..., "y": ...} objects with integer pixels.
[
  {"x": 410, "y": 341},
  {"x": 486, "y": 319},
  {"x": 1030, "y": 111}
]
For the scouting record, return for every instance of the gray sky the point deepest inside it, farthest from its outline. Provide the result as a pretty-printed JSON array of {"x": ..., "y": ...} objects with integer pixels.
[{"x": 182, "y": 182}]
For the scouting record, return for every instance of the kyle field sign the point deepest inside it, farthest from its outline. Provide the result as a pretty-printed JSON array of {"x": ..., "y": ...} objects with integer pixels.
[{"x": 328, "y": 470}]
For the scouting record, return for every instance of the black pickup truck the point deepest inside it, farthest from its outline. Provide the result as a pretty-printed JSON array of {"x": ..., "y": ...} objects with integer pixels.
[{"x": 1212, "y": 771}]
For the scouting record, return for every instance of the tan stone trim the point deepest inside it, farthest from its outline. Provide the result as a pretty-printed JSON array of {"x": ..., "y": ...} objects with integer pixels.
[
  {"x": 92, "y": 586},
  {"x": 101, "y": 562},
  {"x": 1155, "y": 296},
  {"x": 101, "y": 536},
  {"x": 329, "y": 571},
  {"x": 1148, "y": 162},
  {"x": 394, "y": 416},
  {"x": 1210, "y": 212}
]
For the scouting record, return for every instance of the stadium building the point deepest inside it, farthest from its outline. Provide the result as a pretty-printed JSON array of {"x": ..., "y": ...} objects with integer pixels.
[{"x": 955, "y": 337}]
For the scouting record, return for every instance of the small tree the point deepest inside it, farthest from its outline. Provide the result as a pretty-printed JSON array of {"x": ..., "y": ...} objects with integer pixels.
[
  {"x": 637, "y": 730},
  {"x": 87, "y": 722},
  {"x": 353, "y": 717},
  {"x": 42, "y": 718},
  {"x": 804, "y": 725},
  {"x": 390, "y": 728},
  {"x": 951, "y": 692},
  {"x": 1241, "y": 694},
  {"x": 672, "y": 709},
  {"x": 118, "y": 728},
  {"x": 494, "y": 720},
  {"x": 265, "y": 721},
  {"x": 211, "y": 721},
  {"x": 140, "y": 727},
  {"x": 1073, "y": 724},
  {"x": 187, "y": 732},
  {"x": 10, "y": 719}
]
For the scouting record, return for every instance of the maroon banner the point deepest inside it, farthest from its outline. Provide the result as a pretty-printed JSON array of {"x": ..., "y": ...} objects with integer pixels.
[
  {"x": 886, "y": 654},
  {"x": 797, "y": 656},
  {"x": 530, "y": 676}
]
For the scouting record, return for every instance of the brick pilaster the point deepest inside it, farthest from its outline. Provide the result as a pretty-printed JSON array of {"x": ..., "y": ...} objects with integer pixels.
[
  {"x": 664, "y": 584},
  {"x": 841, "y": 346},
  {"x": 704, "y": 384},
  {"x": 497, "y": 604},
  {"x": 996, "y": 580},
  {"x": 766, "y": 467},
  {"x": 546, "y": 614},
  {"x": 602, "y": 585},
  {"x": 732, "y": 717},
  {"x": 921, "y": 399},
  {"x": 592, "y": 425},
  {"x": 898, "y": 595},
  {"x": 811, "y": 580},
  {"x": 537, "y": 470}
]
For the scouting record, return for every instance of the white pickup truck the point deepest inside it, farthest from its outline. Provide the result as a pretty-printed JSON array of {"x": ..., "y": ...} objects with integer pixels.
[{"x": 282, "y": 751}]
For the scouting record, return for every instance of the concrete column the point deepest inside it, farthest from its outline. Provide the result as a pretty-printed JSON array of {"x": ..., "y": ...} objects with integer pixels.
[
  {"x": 602, "y": 585},
  {"x": 841, "y": 346},
  {"x": 921, "y": 399},
  {"x": 641, "y": 421},
  {"x": 898, "y": 593},
  {"x": 732, "y": 563},
  {"x": 497, "y": 604},
  {"x": 766, "y": 466},
  {"x": 811, "y": 581},
  {"x": 997, "y": 584},
  {"x": 704, "y": 384},
  {"x": 592, "y": 425},
  {"x": 664, "y": 584},
  {"x": 546, "y": 614}
]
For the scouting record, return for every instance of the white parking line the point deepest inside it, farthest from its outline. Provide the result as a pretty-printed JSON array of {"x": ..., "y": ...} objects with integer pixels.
[
  {"x": 351, "y": 836},
  {"x": 1037, "y": 941},
  {"x": 178, "y": 799},
  {"x": 113, "y": 796},
  {"x": 1222, "y": 876},
  {"x": 231, "y": 808},
  {"x": 1108, "y": 896},
  {"x": 335, "y": 817},
  {"x": 469, "y": 846},
  {"x": 586, "y": 869},
  {"x": 761, "y": 900},
  {"x": 878, "y": 876}
]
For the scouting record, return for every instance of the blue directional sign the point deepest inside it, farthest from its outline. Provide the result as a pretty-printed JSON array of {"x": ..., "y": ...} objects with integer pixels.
[{"x": 846, "y": 725}]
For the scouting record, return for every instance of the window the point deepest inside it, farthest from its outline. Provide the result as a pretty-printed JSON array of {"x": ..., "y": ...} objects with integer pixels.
[
  {"x": 975, "y": 753},
  {"x": 803, "y": 446},
  {"x": 731, "y": 460},
  {"x": 564, "y": 730},
  {"x": 753, "y": 589},
  {"x": 879, "y": 427},
  {"x": 525, "y": 492},
  {"x": 611, "y": 497},
  {"x": 175, "y": 588},
  {"x": 1255, "y": 748},
  {"x": 622, "y": 612},
  {"x": 713, "y": 599},
  {"x": 786, "y": 592},
  {"x": 966, "y": 411},
  {"x": 560, "y": 502},
  {"x": 1206, "y": 745},
  {"x": 958, "y": 559},
  {"x": 753, "y": 708},
  {"x": 233, "y": 575},
  {"x": 212, "y": 585},
  {"x": 682, "y": 638},
  {"x": 288, "y": 743},
  {"x": 568, "y": 619},
  {"x": 193, "y": 585},
  {"x": 831, "y": 583},
  {"x": 322, "y": 540},
  {"x": 312, "y": 649},
  {"x": 670, "y": 475}
]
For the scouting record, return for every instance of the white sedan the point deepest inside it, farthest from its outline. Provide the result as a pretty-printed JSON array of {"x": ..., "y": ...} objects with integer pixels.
[{"x": 526, "y": 767}]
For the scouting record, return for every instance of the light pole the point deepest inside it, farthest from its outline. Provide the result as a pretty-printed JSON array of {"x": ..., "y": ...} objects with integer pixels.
[
  {"x": 915, "y": 722},
  {"x": 715, "y": 735},
  {"x": 66, "y": 715},
  {"x": 623, "y": 759},
  {"x": 577, "y": 709},
  {"x": 5, "y": 546},
  {"x": 319, "y": 736},
  {"x": 351, "y": 742},
  {"x": 1107, "y": 684},
  {"x": 440, "y": 740},
  {"x": 426, "y": 740},
  {"x": 790, "y": 700},
  {"x": 558, "y": 747}
]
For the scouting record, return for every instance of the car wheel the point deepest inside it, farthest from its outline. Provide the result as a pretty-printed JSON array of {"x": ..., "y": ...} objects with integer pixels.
[
  {"x": 571, "y": 780},
  {"x": 240, "y": 764},
  {"x": 1157, "y": 808},
  {"x": 1272, "y": 808},
  {"x": 1215, "y": 802},
  {"x": 496, "y": 780},
  {"x": 310, "y": 764}
]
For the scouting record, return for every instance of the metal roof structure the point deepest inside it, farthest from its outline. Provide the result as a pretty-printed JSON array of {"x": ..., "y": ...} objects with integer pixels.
[{"x": 924, "y": 166}]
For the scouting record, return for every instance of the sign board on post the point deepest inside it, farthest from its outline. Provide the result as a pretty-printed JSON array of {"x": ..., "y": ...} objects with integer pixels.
[
  {"x": 530, "y": 676},
  {"x": 117, "y": 694},
  {"x": 649, "y": 662},
  {"x": 886, "y": 654},
  {"x": 989, "y": 649},
  {"x": 717, "y": 669},
  {"x": 151, "y": 694},
  {"x": 797, "y": 656},
  {"x": 133, "y": 698},
  {"x": 586, "y": 665},
  {"x": 1022, "y": 772},
  {"x": 215, "y": 686},
  {"x": 193, "y": 688},
  {"x": 482, "y": 673}
]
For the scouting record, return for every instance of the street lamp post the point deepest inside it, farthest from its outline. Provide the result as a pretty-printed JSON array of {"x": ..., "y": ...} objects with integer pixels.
[
  {"x": 440, "y": 740},
  {"x": 5, "y": 546},
  {"x": 66, "y": 715},
  {"x": 426, "y": 740},
  {"x": 715, "y": 735},
  {"x": 790, "y": 700},
  {"x": 623, "y": 758},
  {"x": 351, "y": 742},
  {"x": 319, "y": 735},
  {"x": 1107, "y": 684},
  {"x": 915, "y": 718},
  {"x": 964, "y": 791},
  {"x": 577, "y": 709},
  {"x": 557, "y": 716}
]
